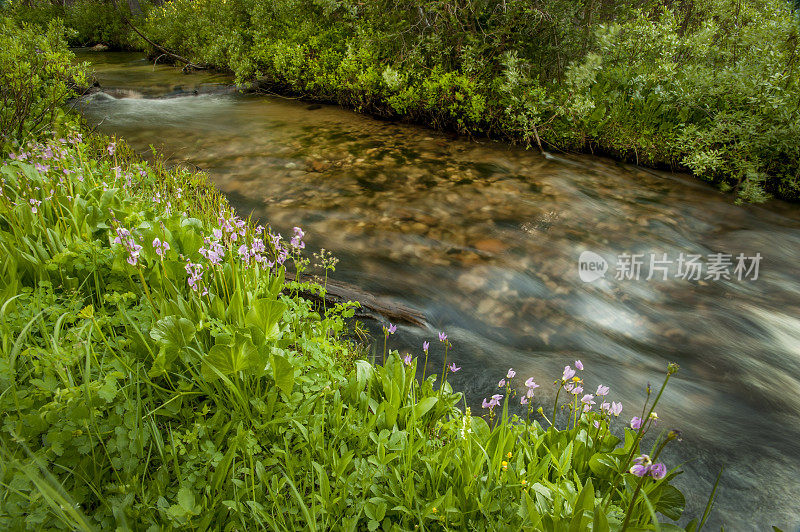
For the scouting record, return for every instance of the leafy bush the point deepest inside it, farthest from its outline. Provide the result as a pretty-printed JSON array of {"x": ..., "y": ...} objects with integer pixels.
[
  {"x": 98, "y": 21},
  {"x": 88, "y": 22},
  {"x": 35, "y": 78},
  {"x": 157, "y": 372},
  {"x": 721, "y": 99}
]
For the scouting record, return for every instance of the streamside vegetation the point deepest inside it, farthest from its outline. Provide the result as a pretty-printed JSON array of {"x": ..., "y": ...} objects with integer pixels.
[
  {"x": 709, "y": 86},
  {"x": 157, "y": 372}
]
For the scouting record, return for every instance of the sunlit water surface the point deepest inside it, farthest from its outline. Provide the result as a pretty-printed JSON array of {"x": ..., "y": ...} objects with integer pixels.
[{"x": 484, "y": 238}]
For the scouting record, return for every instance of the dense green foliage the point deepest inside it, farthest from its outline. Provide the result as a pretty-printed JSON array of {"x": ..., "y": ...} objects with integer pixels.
[
  {"x": 157, "y": 372},
  {"x": 35, "y": 77},
  {"x": 89, "y": 22}
]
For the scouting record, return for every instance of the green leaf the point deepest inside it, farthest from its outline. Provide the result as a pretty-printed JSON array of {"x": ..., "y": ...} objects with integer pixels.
[
  {"x": 600, "y": 521},
  {"x": 242, "y": 355},
  {"x": 670, "y": 502},
  {"x": 585, "y": 500},
  {"x": 108, "y": 391},
  {"x": 186, "y": 499},
  {"x": 424, "y": 406},
  {"x": 189, "y": 242},
  {"x": 194, "y": 223},
  {"x": 265, "y": 315},
  {"x": 481, "y": 428},
  {"x": 378, "y": 508},
  {"x": 276, "y": 284},
  {"x": 364, "y": 371},
  {"x": 601, "y": 465},
  {"x": 283, "y": 373},
  {"x": 173, "y": 333}
]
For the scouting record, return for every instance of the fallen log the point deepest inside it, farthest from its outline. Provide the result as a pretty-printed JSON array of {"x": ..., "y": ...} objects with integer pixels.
[{"x": 372, "y": 307}]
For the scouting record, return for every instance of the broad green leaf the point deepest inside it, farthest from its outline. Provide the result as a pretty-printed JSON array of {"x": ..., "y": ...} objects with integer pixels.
[
  {"x": 481, "y": 428},
  {"x": 283, "y": 373},
  {"x": 265, "y": 315},
  {"x": 601, "y": 465},
  {"x": 364, "y": 372},
  {"x": 242, "y": 355},
  {"x": 186, "y": 499},
  {"x": 670, "y": 502},
  {"x": 173, "y": 332},
  {"x": 424, "y": 405},
  {"x": 193, "y": 223}
]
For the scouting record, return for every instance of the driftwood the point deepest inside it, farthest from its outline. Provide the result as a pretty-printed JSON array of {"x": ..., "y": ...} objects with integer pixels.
[{"x": 372, "y": 307}]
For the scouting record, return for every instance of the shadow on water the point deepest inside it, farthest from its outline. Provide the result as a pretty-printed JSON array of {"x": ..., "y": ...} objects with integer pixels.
[{"x": 485, "y": 239}]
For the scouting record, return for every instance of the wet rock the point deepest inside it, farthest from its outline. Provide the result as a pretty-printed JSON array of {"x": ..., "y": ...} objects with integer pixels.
[
  {"x": 471, "y": 281},
  {"x": 490, "y": 245},
  {"x": 99, "y": 48},
  {"x": 319, "y": 166},
  {"x": 487, "y": 306},
  {"x": 419, "y": 228}
]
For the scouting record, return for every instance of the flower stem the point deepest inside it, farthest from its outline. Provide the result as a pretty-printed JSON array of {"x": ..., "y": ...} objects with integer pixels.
[
  {"x": 147, "y": 290},
  {"x": 639, "y": 435},
  {"x": 555, "y": 406},
  {"x": 631, "y": 505},
  {"x": 444, "y": 367}
]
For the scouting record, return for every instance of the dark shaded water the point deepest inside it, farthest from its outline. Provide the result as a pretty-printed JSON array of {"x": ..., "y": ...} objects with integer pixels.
[{"x": 485, "y": 239}]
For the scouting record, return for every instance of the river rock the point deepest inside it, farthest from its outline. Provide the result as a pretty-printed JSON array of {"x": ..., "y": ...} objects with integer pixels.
[
  {"x": 490, "y": 245},
  {"x": 319, "y": 166}
]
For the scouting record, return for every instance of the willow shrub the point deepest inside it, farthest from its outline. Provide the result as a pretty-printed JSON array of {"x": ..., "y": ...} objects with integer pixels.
[
  {"x": 35, "y": 78},
  {"x": 88, "y": 22},
  {"x": 720, "y": 97}
]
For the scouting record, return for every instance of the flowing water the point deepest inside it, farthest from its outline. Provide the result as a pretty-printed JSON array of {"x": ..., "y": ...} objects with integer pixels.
[{"x": 484, "y": 238}]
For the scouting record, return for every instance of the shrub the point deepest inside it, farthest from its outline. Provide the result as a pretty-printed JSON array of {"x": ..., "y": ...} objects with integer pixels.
[
  {"x": 98, "y": 21},
  {"x": 719, "y": 98},
  {"x": 36, "y": 76}
]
